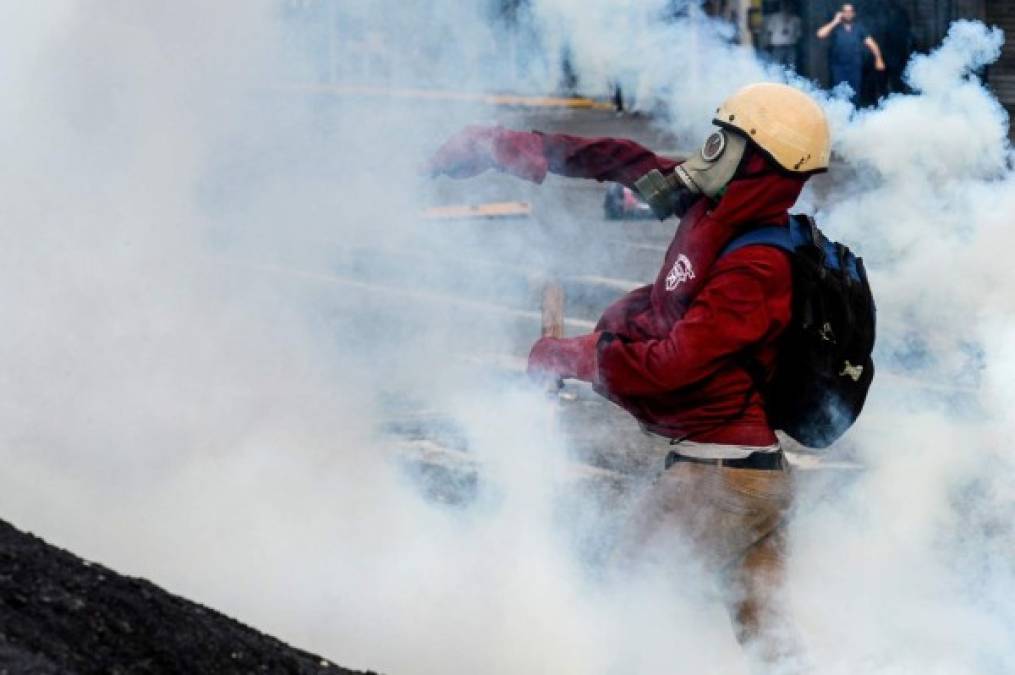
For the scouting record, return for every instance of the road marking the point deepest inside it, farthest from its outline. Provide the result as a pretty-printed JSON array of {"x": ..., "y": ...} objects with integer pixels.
[
  {"x": 576, "y": 102},
  {"x": 579, "y": 326},
  {"x": 488, "y": 210}
]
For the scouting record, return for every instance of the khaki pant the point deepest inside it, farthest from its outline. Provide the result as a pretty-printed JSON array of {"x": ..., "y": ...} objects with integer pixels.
[{"x": 731, "y": 518}]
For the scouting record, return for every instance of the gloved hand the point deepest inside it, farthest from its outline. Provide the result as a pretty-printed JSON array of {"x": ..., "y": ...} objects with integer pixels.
[
  {"x": 476, "y": 149},
  {"x": 564, "y": 358},
  {"x": 468, "y": 153}
]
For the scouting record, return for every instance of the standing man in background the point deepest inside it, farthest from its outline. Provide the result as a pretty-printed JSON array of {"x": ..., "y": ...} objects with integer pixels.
[
  {"x": 780, "y": 34},
  {"x": 845, "y": 51}
]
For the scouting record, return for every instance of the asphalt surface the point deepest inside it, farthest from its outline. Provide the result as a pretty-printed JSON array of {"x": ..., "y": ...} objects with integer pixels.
[
  {"x": 567, "y": 238},
  {"x": 474, "y": 285}
]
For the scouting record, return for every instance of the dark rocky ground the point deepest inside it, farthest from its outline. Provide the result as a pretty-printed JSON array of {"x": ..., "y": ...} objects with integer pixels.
[{"x": 62, "y": 614}]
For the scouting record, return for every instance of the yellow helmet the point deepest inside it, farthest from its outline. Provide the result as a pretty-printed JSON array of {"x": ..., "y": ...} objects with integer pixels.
[{"x": 783, "y": 121}]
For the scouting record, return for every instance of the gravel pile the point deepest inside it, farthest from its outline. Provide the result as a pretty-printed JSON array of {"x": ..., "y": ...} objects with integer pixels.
[{"x": 61, "y": 614}]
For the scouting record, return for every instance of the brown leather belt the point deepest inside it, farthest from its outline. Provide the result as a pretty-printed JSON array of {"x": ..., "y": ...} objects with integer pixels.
[{"x": 767, "y": 461}]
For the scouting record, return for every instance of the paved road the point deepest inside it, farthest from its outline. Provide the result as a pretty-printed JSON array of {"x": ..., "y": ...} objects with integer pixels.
[
  {"x": 568, "y": 237},
  {"x": 475, "y": 286}
]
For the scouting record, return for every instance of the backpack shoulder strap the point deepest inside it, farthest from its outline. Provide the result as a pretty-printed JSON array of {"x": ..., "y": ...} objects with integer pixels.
[{"x": 787, "y": 238}]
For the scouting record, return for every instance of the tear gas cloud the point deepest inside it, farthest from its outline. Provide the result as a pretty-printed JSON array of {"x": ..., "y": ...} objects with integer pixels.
[{"x": 194, "y": 393}]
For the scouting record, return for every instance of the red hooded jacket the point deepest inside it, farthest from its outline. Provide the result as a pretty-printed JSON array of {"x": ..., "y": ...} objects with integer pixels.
[{"x": 673, "y": 353}]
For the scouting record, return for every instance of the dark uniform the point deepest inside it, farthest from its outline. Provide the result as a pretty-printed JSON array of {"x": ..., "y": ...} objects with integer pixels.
[{"x": 845, "y": 56}]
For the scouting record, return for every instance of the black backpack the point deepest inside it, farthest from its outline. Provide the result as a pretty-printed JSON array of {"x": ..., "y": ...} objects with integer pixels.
[{"x": 824, "y": 366}]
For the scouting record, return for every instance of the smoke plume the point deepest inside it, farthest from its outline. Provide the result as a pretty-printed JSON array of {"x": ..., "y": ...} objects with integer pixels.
[{"x": 218, "y": 294}]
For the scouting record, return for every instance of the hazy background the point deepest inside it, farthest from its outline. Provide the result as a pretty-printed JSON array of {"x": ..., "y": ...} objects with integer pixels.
[{"x": 216, "y": 292}]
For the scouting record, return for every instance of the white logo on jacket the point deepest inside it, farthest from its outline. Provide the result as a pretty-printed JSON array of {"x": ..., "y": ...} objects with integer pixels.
[{"x": 681, "y": 272}]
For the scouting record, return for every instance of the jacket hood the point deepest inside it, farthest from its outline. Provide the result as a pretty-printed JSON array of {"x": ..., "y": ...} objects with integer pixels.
[{"x": 760, "y": 193}]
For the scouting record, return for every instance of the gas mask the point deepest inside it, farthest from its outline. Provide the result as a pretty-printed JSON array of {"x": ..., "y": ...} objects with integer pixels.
[{"x": 706, "y": 174}]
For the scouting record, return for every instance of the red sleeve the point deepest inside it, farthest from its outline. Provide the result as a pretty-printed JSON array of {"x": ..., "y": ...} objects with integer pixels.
[
  {"x": 746, "y": 299},
  {"x": 605, "y": 159},
  {"x": 530, "y": 155}
]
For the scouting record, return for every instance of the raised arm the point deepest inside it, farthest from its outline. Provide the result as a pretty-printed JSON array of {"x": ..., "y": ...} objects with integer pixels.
[
  {"x": 604, "y": 159},
  {"x": 872, "y": 45},
  {"x": 827, "y": 29},
  {"x": 531, "y": 155}
]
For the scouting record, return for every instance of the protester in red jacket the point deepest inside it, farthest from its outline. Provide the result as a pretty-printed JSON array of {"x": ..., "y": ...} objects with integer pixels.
[
  {"x": 668, "y": 353},
  {"x": 684, "y": 354}
]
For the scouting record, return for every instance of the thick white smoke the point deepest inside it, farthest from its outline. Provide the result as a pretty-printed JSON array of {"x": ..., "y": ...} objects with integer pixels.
[
  {"x": 916, "y": 560},
  {"x": 668, "y": 55},
  {"x": 194, "y": 393}
]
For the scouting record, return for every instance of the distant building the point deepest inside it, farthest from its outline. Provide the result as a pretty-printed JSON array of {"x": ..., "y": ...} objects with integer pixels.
[{"x": 1002, "y": 74}]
